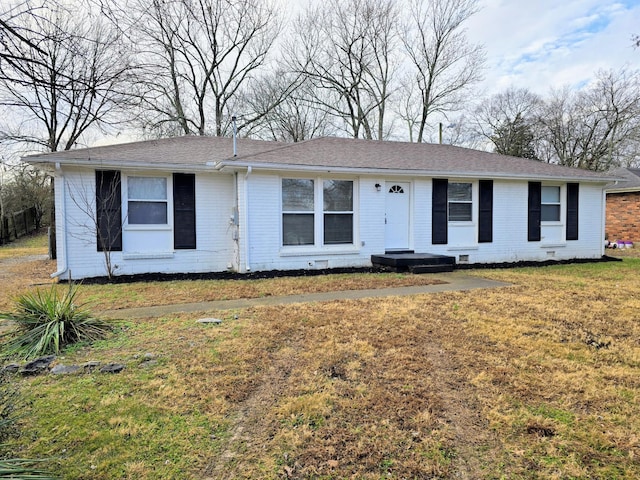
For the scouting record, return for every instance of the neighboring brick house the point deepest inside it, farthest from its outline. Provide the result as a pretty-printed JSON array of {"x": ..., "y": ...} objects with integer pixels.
[{"x": 623, "y": 206}]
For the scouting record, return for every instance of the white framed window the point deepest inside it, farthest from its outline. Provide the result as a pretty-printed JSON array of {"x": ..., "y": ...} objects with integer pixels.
[
  {"x": 317, "y": 212},
  {"x": 460, "y": 202},
  {"x": 550, "y": 204},
  {"x": 337, "y": 198},
  {"x": 147, "y": 201},
  {"x": 298, "y": 211}
]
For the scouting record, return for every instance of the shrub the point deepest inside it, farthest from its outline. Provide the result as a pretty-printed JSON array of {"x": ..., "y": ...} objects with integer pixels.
[{"x": 47, "y": 321}]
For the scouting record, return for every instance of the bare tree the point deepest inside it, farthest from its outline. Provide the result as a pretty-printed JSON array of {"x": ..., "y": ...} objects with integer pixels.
[
  {"x": 64, "y": 75},
  {"x": 346, "y": 50},
  {"x": 444, "y": 63},
  {"x": 196, "y": 55},
  {"x": 593, "y": 128},
  {"x": 101, "y": 222},
  {"x": 14, "y": 32},
  {"x": 509, "y": 121},
  {"x": 290, "y": 113}
]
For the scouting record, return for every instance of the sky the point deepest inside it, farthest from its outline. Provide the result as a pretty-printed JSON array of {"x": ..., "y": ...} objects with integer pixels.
[{"x": 539, "y": 44}]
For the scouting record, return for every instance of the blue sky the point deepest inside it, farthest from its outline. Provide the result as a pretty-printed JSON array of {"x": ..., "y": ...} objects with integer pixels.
[{"x": 545, "y": 43}]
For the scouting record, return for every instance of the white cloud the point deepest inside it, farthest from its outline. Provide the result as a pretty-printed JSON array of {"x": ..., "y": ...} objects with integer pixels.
[{"x": 547, "y": 43}]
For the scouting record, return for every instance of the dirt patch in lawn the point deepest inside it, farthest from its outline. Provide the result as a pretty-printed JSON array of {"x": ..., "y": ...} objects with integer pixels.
[
  {"x": 18, "y": 274},
  {"x": 375, "y": 396}
]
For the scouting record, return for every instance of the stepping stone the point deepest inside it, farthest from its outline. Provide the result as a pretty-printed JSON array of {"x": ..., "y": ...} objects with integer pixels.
[
  {"x": 217, "y": 321},
  {"x": 112, "y": 368},
  {"x": 65, "y": 369},
  {"x": 11, "y": 368},
  {"x": 38, "y": 365},
  {"x": 90, "y": 366}
]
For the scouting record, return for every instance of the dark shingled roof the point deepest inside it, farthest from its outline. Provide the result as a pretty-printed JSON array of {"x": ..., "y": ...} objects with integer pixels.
[
  {"x": 332, "y": 152},
  {"x": 188, "y": 150},
  {"x": 630, "y": 180},
  {"x": 321, "y": 153}
]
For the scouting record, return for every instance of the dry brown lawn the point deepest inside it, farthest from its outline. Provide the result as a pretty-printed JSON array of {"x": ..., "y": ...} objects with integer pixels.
[{"x": 536, "y": 380}]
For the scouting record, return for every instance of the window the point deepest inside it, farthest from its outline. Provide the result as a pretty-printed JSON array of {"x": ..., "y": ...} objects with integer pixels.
[
  {"x": 550, "y": 205},
  {"x": 338, "y": 211},
  {"x": 460, "y": 202},
  {"x": 298, "y": 211},
  {"x": 147, "y": 200},
  {"x": 317, "y": 211}
]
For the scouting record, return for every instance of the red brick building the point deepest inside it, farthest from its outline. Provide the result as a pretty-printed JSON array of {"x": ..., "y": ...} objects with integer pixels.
[{"x": 623, "y": 207}]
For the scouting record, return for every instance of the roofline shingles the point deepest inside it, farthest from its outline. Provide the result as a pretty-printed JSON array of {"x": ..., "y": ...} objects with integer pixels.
[
  {"x": 323, "y": 152},
  {"x": 629, "y": 180}
]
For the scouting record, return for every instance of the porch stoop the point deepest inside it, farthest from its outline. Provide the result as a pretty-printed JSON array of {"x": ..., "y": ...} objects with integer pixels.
[{"x": 414, "y": 262}]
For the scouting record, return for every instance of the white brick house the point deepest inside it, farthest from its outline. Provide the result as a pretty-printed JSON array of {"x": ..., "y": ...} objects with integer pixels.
[{"x": 187, "y": 205}]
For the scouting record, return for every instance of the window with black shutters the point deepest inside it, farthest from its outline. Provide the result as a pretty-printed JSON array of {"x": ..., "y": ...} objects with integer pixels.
[
  {"x": 147, "y": 200},
  {"x": 550, "y": 204},
  {"x": 459, "y": 196}
]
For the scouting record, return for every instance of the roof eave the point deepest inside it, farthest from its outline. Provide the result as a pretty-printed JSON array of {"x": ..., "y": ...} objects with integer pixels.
[
  {"x": 105, "y": 164},
  {"x": 239, "y": 165},
  {"x": 623, "y": 190}
]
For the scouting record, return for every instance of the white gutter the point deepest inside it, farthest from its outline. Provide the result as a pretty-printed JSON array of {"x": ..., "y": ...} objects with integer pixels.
[
  {"x": 124, "y": 164},
  {"x": 62, "y": 224},
  {"x": 623, "y": 190},
  {"x": 246, "y": 220}
]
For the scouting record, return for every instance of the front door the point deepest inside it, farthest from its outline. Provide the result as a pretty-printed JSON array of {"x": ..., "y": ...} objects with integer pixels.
[{"x": 397, "y": 216}]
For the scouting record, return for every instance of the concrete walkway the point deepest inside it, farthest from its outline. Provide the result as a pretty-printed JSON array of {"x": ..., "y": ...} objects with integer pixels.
[{"x": 456, "y": 281}]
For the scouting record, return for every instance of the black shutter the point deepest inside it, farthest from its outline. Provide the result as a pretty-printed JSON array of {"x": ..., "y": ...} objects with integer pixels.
[
  {"x": 108, "y": 211},
  {"x": 184, "y": 211},
  {"x": 485, "y": 212},
  {"x": 439, "y": 221},
  {"x": 572, "y": 211},
  {"x": 535, "y": 208}
]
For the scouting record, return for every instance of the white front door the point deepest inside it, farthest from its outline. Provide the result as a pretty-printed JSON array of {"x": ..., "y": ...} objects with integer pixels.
[{"x": 397, "y": 216}]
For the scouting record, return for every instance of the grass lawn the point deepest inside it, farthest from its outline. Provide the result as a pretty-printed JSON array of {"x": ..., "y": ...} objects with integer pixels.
[{"x": 537, "y": 380}]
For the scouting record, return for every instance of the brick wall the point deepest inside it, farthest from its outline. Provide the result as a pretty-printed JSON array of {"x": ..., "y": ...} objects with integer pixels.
[{"x": 623, "y": 216}]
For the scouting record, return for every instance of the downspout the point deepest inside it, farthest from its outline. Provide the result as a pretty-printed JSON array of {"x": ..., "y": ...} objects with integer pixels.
[
  {"x": 62, "y": 224},
  {"x": 235, "y": 223},
  {"x": 246, "y": 220}
]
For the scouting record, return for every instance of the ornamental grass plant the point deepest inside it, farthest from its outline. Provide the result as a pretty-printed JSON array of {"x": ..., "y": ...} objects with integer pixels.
[
  {"x": 47, "y": 321},
  {"x": 21, "y": 469}
]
